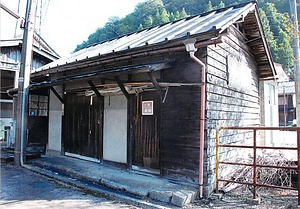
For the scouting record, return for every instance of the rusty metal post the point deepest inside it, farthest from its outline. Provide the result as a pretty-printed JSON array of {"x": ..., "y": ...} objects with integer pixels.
[
  {"x": 254, "y": 164},
  {"x": 298, "y": 168},
  {"x": 217, "y": 159}
]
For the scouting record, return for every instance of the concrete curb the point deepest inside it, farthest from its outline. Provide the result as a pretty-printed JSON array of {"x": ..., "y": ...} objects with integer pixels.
[
  {"x": 138, "y": 202},
  {"x": 176, "y": 198},
  {"x": 140, "y": 192}
]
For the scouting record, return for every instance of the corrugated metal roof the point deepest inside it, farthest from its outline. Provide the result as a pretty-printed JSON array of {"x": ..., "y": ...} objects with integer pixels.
[
  {"x": 286, "y": 87},
  {"x": 217, "y": 20}
]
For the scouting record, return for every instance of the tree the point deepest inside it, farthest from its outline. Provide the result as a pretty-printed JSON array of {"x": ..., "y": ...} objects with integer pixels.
[
  {"x": 154, "y": 12},
  {"x": 183, "y": 13},
  {"x": 209, "y": 7},
  {"x": 268, "y": 32},
  {"x": 164, "y": 16},
  {"x": 148, "y": 21},
  {"x": 221, "y": 5},
  {"x": 281, "y": 49}
]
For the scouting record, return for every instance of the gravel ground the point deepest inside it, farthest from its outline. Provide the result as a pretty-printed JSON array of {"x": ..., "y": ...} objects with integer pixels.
[{"x": 243, "y": 198}]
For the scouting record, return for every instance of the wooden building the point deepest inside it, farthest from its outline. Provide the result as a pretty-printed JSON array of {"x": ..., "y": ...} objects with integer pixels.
[
  {"x": 10, "y": 59},
  {"x": 150, "y": 100},
  {"x": 287, "y": 103}
]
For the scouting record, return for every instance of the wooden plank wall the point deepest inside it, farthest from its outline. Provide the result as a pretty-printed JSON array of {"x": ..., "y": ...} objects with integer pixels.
[
  {"x": 11, "y": 54},
  {"x": 14, "y": 54},
  {"x": 228, "y": 105},
  {"x": 181, "y": 122},
  {"x": 146, "y": 148}
]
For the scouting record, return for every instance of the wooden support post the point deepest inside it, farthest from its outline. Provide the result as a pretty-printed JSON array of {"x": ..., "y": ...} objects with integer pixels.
[
  {"x": 94, "y": 88},
  {"x": 131, "y": 131},
  {"x": 156, "y": 84},
  {"x": 122, "y": 87},
  {"x": 57, "y": 94}
]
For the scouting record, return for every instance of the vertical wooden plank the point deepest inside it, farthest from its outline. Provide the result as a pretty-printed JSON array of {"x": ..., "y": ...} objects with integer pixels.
[
  {"x": 83, "y": 125},
  {"x": 146, "y": 144},
  {"x": 131, "y": 124}
]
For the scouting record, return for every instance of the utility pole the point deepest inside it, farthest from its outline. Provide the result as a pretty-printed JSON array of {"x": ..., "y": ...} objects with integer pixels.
[
  {"x": 294, "y": 16},
  {"x": 23, "y": 84}
]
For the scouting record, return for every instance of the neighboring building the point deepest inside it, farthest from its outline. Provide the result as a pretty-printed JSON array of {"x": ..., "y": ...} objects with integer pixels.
[
  {"x": 286, "y": 99},
  {"x": 286, "y": 103},
  {"x": 10, "y": 59},
  {"x": 269, "y": 106},
  {"x": 140, "y": 101},
  {"x": 281, "y": 74}
]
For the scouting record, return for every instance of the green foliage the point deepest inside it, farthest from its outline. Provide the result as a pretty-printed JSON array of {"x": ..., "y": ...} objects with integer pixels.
[
  {"x": 278, "y": 36},
  {"x": 221, "y": 5},
  {"x": 209, "y": 7},
  {"x": 154, "y": 12}
]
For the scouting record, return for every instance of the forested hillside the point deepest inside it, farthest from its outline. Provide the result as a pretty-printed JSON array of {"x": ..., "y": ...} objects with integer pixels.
[{"x": 274, "y": 15}]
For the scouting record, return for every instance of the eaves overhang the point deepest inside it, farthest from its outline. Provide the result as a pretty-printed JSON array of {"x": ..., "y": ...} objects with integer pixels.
[
  {"x": 143, "y": 68},
  {"x": 258, "y": 43}
]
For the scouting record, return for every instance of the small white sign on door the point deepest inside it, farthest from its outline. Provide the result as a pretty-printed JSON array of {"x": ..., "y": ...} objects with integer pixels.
[{"x": 147, "y": 107}]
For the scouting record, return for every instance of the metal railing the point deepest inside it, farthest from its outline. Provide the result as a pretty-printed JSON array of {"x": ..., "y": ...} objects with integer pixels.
[{"x": 254, "y": 163}]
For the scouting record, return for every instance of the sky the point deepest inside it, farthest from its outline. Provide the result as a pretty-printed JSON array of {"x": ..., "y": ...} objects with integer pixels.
[{"x": 67, "y": 23}]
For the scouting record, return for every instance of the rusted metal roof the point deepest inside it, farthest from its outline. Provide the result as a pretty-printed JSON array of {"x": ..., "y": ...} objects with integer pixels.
[{"x": 208, "y": 25}]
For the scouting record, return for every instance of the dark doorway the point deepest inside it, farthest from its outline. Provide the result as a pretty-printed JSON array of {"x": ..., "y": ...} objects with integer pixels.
[
  {"x": 83, "y": 119},
  {"x": 146, "y": 143},
  {"x": 38, "y": 119}
]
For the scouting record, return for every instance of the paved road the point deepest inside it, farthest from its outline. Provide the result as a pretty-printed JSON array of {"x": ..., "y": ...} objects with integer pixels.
[{"x": 21, "y": 188}]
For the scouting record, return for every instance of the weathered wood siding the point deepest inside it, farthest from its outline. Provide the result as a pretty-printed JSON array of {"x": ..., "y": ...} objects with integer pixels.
[
  {"x": 228, "y": 102},
  {"x": 181, "y": 121},
  {"x": 146, "y": 148},
  {"x": 13, "y": 54}
]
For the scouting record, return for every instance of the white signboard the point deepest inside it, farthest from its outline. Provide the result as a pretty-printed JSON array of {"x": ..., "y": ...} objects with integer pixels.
[{"x": 147, "y": 107}]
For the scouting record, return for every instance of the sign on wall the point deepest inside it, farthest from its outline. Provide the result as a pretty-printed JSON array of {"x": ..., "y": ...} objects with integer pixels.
[
  {"x": 147, "y": 107},
  {"x": 239, "y": 73}
]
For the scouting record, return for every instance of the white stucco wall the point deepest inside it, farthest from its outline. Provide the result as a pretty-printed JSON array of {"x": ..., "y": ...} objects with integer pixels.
[
  {"x": 55, "y": 122},
  {"x": 115, "y": 129}
]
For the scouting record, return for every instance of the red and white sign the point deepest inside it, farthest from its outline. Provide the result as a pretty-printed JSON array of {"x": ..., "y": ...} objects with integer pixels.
[{"x": 147, "y": 107}]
